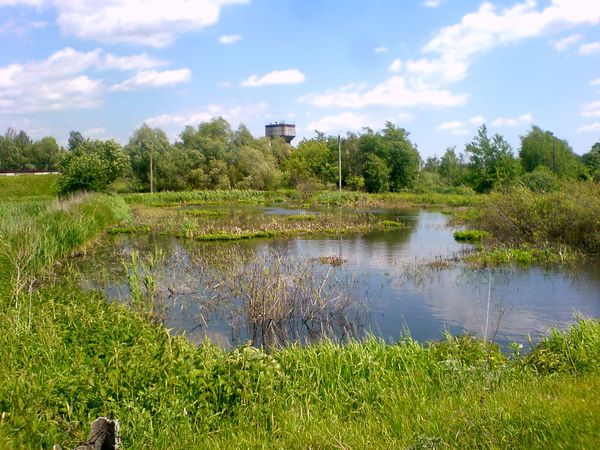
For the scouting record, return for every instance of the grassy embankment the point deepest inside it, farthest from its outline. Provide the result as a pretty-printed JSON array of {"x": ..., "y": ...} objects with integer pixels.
[{"x": 68, "y": 357}]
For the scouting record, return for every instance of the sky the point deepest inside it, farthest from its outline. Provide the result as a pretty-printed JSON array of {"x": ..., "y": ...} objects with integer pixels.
[{"x": 438, "y": 68}]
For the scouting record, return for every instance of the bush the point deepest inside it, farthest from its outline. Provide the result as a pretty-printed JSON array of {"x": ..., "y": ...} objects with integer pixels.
[{"x": 570, "y": 217}]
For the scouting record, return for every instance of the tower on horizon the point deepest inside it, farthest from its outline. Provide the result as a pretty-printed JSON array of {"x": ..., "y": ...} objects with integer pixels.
[{"x": 281, "y": 129}]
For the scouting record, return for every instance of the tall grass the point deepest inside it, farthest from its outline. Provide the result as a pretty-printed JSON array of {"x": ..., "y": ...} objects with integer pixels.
[
  {"x": 83, "y": 358},
  {"x": 33, "y": 234},
  {"x": 74, "y": 357}
]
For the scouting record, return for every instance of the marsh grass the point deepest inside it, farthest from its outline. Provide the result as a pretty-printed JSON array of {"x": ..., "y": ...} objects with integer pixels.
[
  {"x": 475, "y": 236},
  {"x": 281, "y": 299},
  {"x": 73, "y": 357},
  {"x": 243, "y": 224}
]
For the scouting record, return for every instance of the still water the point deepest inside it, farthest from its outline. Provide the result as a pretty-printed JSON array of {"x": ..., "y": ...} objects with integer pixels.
[{"x": 396, "y": 282}]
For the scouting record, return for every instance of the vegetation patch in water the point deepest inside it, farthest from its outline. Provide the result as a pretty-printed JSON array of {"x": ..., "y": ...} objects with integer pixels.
[
  {"x": 129, "y": 229},
  {"x": 470, "y": 235},
  {"x": 524, "y": 255},
  {"x": 203, "y": 213},
  {"x": 386, "y": 224},
  {"x": 301, "y": 217}
]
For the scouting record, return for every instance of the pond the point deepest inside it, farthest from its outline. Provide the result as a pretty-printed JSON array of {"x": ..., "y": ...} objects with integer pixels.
[{"x": 386, "y": 283}]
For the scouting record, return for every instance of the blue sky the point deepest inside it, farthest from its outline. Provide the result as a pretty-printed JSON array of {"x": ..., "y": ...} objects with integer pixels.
[{"x": 438, "y": 68}]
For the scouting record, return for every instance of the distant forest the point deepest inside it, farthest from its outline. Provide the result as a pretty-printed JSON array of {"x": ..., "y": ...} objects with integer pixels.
[{"x": 212, "y": 155}]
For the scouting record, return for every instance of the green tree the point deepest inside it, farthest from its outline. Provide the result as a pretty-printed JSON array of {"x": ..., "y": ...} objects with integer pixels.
[
  {"x": 591, "y": 160},
  {"x": 92, "y": 166},
  {"x": 310, "y": 162},
  {"x": 75, "y": 140},
  {"x": 491, "y": 161},
  {"x": 542, "y": 148},
  {"x": 376, "y": 174},
  {"x": 451, "y": 166},
  {"x": 147, "y": 143}
]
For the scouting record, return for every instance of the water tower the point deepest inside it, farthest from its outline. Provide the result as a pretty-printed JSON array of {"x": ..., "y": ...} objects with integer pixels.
[{"x": 281, "y": 129}]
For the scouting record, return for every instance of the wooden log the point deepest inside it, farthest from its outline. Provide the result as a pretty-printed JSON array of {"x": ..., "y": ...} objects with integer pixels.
[{"x": 105, "y": 435}]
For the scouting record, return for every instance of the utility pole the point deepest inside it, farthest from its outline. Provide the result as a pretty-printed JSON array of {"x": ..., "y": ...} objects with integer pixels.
[
  {"x": 151, "y": 174},
  {"x": 340, "y": 162},
  {"x": 554, "y": 155}
]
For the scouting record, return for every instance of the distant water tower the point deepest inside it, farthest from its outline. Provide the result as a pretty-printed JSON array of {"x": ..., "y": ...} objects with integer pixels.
[{"x": 285, "y": 130}]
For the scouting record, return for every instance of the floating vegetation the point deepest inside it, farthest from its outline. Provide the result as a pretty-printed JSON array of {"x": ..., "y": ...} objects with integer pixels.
[
  {"x": 301, "y": 217},
  {"x": 203, "y": 213},
  {"x": 130, "y": 229},
  {"x": 332, "y": 260},
  {"x": 470, "y": 235},
  {"x": 524, "y": 256},
  {"x": 393, "y": 224}
]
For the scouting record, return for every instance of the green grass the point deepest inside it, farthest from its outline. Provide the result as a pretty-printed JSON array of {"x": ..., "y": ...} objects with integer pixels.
[
  {"x": 69, "y": 356},
  {"x": 23, "y": 187},
  {"x": 313, "y": 198},
  {"x": 392, "y": 224},
  {"x": 470, "y": 235}
]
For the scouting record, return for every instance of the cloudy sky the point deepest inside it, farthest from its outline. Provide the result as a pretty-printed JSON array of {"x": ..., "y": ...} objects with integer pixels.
[{"x": 438, "y": 68}]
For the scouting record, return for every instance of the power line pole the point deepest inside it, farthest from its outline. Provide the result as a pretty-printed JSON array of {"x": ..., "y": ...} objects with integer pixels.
[
  {"x": 340, "y": 162},
  {"x": 151, "y": 174},
  {"x": 554, "y": 155}
]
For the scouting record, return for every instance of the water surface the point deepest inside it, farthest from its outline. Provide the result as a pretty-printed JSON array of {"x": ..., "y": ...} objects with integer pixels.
[{"x": 406, "y": 280}]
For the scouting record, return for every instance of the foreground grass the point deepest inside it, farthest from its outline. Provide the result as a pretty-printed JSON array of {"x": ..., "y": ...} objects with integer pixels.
[
  {"x": 74, "y": 357},
  {"x": 69, "y": 356}
]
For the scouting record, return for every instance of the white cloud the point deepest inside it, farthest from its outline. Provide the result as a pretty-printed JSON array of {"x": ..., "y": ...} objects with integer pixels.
[
  {"x": 457, "y": 127},
  {"x": 513, "y": 121},
  {"x": 94, "y": 132},
  {"x": 350, "y": 121},
  {"x": 562, "y": 44},
  {"x": 488, "y": 28},
  {"x": 595, "y": 82},
  {"x": 454, "y": 47},
  {"x": 393, "y": 92},
  {"x": 63, "y": 81},
  {"x": 477, "y": 120},
  {"x": 144, "y": 22},
  {"x": 590, "y": 127},
  {"x": 588, "y": 49},
  {"x": 591, "y": 109},
  {"x": 381, "y": 50},
  {"x": 432, "y": 3},
  {"x": 134, "y": 62},
  {"x": 395, "y": 66},
  {"x": 173, "y": 124},
  {"x": 229, "y": 38},
  {"x": 153, "y": 78},
  {"x": 460, "y": 127},
  {"x": 290, "y": 76}
]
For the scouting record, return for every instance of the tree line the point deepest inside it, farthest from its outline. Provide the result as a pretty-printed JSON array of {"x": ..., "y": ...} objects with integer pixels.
[{"x": 212, "y": 155}]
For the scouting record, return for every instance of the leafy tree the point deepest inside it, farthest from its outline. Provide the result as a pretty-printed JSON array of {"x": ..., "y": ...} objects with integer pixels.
[
  {"x": 402, "y": 157},
  {"x": 451, "y": 167},
  {"x": 75, "y": 140},
  {"x": 542, "y": 148},
  {"x": 376, "y": 174},
  {"x": 591, "y": 160},
  {"x": 310, "y": 162},
  {"x": 491, "y": 161},
  {"x": 42, "y": 155},
  {"x": 92, "y": 166},
  {"x": 144, "y": 144}
]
